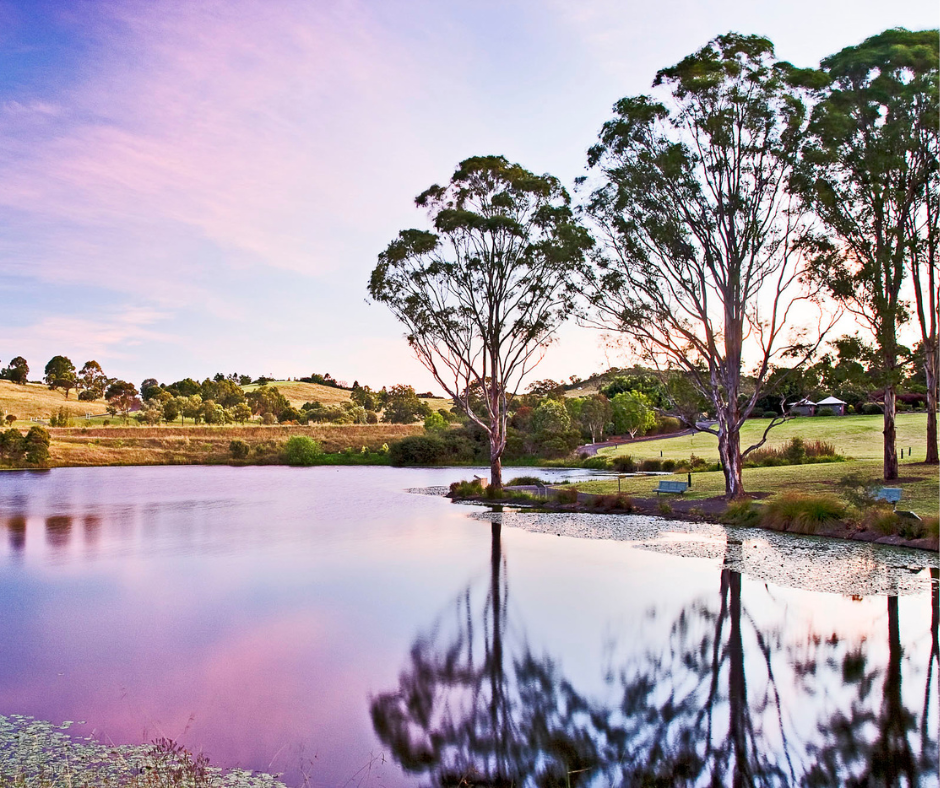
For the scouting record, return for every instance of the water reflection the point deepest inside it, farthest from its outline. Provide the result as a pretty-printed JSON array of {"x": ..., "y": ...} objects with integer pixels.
[
  {"x": 16, "y": 526},
  {"x": 724, "y": 702},
  {"x": 58, "y": 531}
]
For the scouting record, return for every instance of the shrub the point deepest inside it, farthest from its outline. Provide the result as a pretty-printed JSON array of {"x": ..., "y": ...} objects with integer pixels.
[
  {"x": 932, "y": 526},
  {"x": 417, "y": 450},
  {"x": 239, "y": 449},
  {"x": 301, "y": 450},
  {"x": 520, "y": 481},
  {"x": 37, "y": 446},
  {"x": 669, "y": 465},
  {"x": 625, "y": 464},
  {"x": 467, "y": 489},
  {"x": 769, "y": 414},
  {"x": 666, "y": 425},
  {"x": 618, "y": 502},
  {"x": 61, "y": 418},
  {"x": 567, "y": 495},
  {"x": 268, "y": 418},
  {"x": 872, "y": 409},
  {"x": 597, "y": 462},
  {"x": 553, "y": 448},
  {"x": 804, "y": 514},
  {"x": 88, "y": 395},
  {"x": 291, "y": 414},
  {"x": 823, "y": 412},
  {"x": 742, "y": 513},
  {"x": 12, "y": 445},
  {"x": 651, "y": 465},
  {"x": 664, "y": 508}
]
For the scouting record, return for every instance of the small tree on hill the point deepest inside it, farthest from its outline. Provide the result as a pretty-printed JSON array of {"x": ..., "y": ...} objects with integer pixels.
[
  {"x": 60, "y": 374},
  {"x": 632, "y": 413},
  {"x": 92, "y": 381},
  {"x": 122, "y": 397},
  {"x": 483, "y": 293},
  {"x": 403, "y": 406},
  {"x": 17, "y": 371}
]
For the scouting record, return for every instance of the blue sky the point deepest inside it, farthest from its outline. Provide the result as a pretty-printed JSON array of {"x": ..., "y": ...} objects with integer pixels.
[{"x": 198, "y": 186}]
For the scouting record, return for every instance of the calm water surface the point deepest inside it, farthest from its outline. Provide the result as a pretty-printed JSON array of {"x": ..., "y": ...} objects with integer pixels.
[{"x": 333, "y": 626}]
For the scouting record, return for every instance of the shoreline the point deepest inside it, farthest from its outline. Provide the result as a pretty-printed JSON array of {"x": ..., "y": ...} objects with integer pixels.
[{"x": 708, "y": 510}]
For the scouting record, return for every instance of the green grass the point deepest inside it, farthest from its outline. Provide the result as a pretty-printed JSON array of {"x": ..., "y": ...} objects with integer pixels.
[
  {"x": 858, "y": 437},
  {"x": 918, "y": 481}
]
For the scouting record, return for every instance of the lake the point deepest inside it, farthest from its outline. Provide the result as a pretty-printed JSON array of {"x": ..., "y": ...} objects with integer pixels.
[{"x": 346, "y": 626}]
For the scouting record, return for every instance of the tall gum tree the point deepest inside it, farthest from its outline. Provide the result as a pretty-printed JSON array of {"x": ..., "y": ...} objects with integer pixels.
[
  {"x": 482, "y": 294},
  {"x": 698, "y": 267},
  {"x": 869, "y": 173}
]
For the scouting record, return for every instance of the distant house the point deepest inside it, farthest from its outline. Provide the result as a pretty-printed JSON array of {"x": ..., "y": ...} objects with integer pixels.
[
  {"x": 805, "y": 407},
  {"x": 836, "y": 404}
]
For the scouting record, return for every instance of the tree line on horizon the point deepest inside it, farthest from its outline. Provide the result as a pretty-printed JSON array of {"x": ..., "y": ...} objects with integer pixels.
[{"x": 727, "y": 221}]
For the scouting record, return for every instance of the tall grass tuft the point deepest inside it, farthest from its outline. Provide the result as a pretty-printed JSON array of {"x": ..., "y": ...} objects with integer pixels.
[
  {"x": 742, "y": 513},
  {"x": 803, "y": 514}
]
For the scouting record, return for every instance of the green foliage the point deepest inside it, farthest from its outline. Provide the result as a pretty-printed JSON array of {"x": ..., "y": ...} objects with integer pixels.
[
  {"x": 402, "y": 406},
  {"x": 597, "y": 462},
  {"x": 642, "y": 383},
  {"x": 37, "y": 446},
  {"x": 92, "y": 381},
  {"x": 625, "y": 464},
  {"x": 632, "y": 413},
  {"x": 60, "y": 374},
  {"x": 742, "y": 513},
  {"x": 520, "y": 481},
  {"x": 651, "y": 466},
  {"x": 16, "y": 372},
  {"x": 61, "y": 418},
  {"x": 434, "y": 423},
  {"x": 467, "y": 489},
  {"x": 301, "y": 450},
  {"x": 595, "y": 414},
  {"x": 12, "y": 445},
  {"x": 418, "y": 450},
  {"x": 805, "y": 514},
  {"x": 266, "y": 400},
  {"x": 239, "y": 449}
]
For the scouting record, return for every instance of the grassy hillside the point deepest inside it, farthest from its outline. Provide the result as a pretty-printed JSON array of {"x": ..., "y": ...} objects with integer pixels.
[
  {"x": 34, "y": 400},
  {"x": 858, "y": 437},
  {"x": 208, "y": 445},
  {"x": 299, "y": 393}
]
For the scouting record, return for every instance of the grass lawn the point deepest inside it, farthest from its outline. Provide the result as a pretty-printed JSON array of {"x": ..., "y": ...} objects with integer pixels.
[
  {"x": 918, "y": 481},
  {"x": 858, "y": 437}
]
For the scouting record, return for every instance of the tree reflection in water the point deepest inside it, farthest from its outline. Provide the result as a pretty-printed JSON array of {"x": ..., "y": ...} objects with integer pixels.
[{"x": 471, "y": 716}]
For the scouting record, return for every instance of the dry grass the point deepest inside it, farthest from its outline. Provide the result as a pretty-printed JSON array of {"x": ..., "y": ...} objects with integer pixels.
[
  {"x": 35, "y": 400},
  {"x": 299, "y": 393},
  {"x": 206, "y": 445}
]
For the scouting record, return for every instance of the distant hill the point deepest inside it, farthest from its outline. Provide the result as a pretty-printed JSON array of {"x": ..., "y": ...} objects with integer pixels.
[
  {"x": 298, "y": 393},
  {"x": 36, "y": 400}
]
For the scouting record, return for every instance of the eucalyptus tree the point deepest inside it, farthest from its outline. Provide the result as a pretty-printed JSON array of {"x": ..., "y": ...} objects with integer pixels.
[
  {"x": 698, "y": 268},
  {"x": 482, "y": 294},
  {"x": 869, "y": 174}
]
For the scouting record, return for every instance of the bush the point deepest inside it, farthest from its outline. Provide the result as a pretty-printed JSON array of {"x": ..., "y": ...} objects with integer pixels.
[
  {"x": 301, "y": 450},
  {"x": 554, "y": 448},
  {"x": 239, "y": 449},
  {"x": 37, "y": 446},
  {"x": 61, "y": 418},
  {"x": 624, "y": 464},
  {"x": 597, "y": 462},
  {"x": 769, "y": 414},
  {"x": 268, "y": 418},
  {"x": 87, "y": 395},
  {"x": 467, "y": 489},
  {"x": 651, "y": 465},
  {"x": 872, "y": 409},
  {"x": 566, "y": 495},
  {"x": 669, "y": 465},
  {"x": 619, "y": 502},
  {"x": 666, "y": 425},
  {"x": 291, "y": 414},
  {"x": 520, "y": 481},
  {"x": 664, "y": 508},
  {"x": 804, "y": 514},
  {"x": 823, "y": 412},
  {"x": 417, "y": 450},
  {"x": 742, "y": 513}
]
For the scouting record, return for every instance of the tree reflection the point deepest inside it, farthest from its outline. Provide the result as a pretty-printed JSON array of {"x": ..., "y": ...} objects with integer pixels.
[{"x": 478, "y": 708}]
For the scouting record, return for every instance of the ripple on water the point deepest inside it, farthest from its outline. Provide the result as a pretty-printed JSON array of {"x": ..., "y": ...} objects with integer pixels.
[{"x": 811, "y": 563}]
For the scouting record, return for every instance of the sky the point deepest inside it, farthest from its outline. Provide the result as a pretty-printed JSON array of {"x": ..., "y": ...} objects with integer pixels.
[{"x": 199, "y": 186}]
